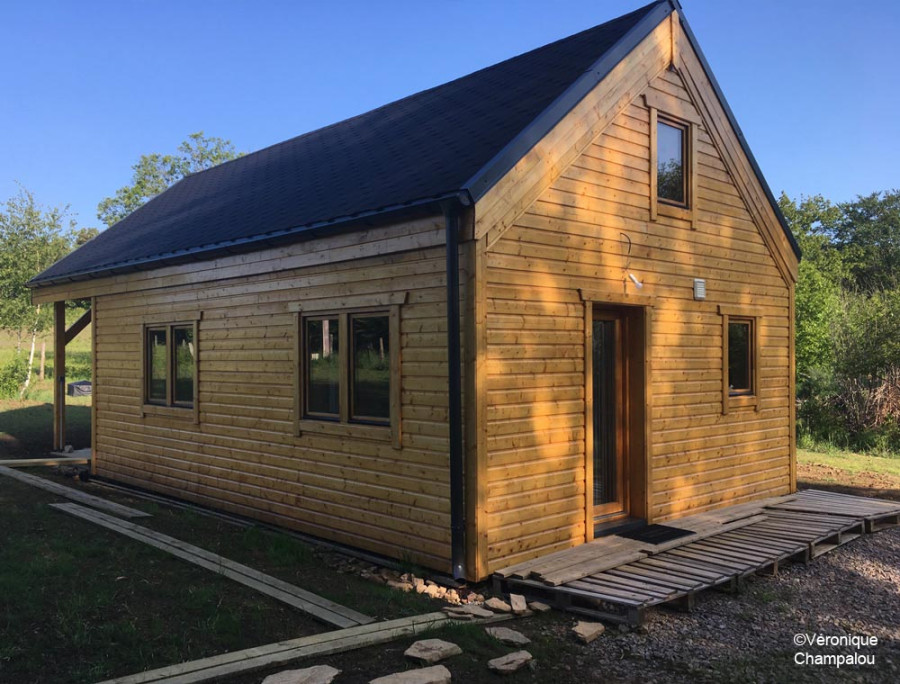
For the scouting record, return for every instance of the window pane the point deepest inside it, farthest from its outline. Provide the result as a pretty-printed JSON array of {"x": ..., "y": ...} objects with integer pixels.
[
  {"x": 670, "y": 162},
  {"x": 371, "y": 368},
  {"x": 156, "y": 365},
  {"x": 739, "y": 356},
  {"x": 322, "y": 367},
  {"x": 185, "y": 355}
]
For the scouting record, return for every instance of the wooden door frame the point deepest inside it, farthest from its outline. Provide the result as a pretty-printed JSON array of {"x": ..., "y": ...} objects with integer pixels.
[{"x": 638, "y": 311}]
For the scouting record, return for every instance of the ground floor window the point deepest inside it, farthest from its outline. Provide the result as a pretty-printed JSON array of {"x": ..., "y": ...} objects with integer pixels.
[
  {"x": 740, "y": 359},
  {"x": 170, "y": 364},
  {"x": 347, "y": 367}
]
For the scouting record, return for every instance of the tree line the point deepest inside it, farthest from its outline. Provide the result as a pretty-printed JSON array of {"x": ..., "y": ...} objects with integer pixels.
[{"x": 848, "y": 320}]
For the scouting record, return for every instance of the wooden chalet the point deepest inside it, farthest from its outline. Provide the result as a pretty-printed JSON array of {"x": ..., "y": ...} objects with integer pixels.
[{"x": 467, "y": 329}]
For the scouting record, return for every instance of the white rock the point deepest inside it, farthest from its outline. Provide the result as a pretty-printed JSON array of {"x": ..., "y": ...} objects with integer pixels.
[
  {"x": 539, "y": 607},
  {"x": 519, "y": 606},
  {"x": 437, "y": 674},
  {"x": 586, "y": 632},
  {"x": 431, "y": 651},
  {"x": 320, "y": 674},
  {"x": 510, "y": 663},
  {"x": 469, "y": 609},
  {"x": 499, "y": 605},
  {"x": 508, "y": 636}
]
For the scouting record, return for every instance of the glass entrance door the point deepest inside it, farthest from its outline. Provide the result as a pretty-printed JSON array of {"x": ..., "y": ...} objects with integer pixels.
[{"x": 609, "y": 425}]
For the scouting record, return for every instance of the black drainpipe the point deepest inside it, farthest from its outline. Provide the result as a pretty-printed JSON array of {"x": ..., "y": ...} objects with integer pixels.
[{"x": 452, "y": 210}]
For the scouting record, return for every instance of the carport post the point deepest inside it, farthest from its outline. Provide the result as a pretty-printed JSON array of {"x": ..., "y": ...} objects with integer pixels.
[{"x": 59, "y": 375}]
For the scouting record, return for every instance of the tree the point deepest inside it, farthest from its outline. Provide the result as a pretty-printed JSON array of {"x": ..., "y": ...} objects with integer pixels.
[
  {"x": 868, "y": 235},
  {"x": 153, "y": 173},
  {"x": 819, "y": 280},
  {"x": 32, "y": 238}
]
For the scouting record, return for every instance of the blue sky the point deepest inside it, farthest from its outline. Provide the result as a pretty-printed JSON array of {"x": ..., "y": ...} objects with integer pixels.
[{"x": 90, "y": 86}]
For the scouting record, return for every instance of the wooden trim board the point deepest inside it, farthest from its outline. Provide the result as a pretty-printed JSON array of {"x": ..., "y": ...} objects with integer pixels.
[
  {"x": 73, "y": 494},
  {"x": 57, "y": 460},
  {"x": 316, "y": 606}
]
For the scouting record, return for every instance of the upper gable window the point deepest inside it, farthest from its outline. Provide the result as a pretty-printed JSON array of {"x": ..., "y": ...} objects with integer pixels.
[{"x": 671, "y": 153}]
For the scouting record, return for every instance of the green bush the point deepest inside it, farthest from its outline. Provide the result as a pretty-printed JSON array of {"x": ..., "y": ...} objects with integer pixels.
[{"x": 12, "y": 375}]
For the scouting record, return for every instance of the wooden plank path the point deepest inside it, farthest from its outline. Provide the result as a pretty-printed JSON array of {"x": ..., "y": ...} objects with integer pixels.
[
  {"x": 285, "y": 652},
  {"x": 73, "y": 494},
  {"x": 624, "y": 578},
  {"x": 316, "y": 606}
]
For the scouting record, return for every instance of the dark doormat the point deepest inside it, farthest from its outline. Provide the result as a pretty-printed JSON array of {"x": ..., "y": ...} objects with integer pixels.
[{"x": 655, "y": 534}]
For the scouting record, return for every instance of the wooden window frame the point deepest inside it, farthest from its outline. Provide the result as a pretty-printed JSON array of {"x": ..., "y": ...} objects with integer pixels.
[
  {"x": 660, "y": 206},
  {"x": 170, "y": 408},
  {"x": 347, "y": 425},
  {"x": 743, "y": 399}
]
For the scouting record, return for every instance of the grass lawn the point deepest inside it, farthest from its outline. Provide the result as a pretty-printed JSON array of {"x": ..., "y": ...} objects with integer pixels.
[
  {"x": 110, "y": 606},
  {"x": 79, "y": 603}
]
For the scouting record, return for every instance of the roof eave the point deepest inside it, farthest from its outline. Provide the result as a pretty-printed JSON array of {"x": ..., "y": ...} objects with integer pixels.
[{"x": 211, "y": 251}]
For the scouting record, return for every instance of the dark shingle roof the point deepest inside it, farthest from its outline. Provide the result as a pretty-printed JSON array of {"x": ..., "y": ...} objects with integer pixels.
[
  {"x": 460, "y": 137},
  {"x": 425, "y": 146}
]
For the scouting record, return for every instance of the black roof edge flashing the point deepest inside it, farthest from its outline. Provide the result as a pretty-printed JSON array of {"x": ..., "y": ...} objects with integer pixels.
[
  {"x": 737, "y": 129},
  {"x": 479, "y": 184},
  {"x": 217, "y": 249}
]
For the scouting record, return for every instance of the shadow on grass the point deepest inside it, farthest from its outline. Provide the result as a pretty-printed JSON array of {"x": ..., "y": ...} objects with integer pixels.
[{"x": 26, "y": 428}]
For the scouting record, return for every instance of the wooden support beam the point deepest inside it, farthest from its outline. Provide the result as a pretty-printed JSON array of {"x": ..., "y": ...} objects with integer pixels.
[
  {"x": 79, "y": 325},
  {"x": 59, "y": 375}
]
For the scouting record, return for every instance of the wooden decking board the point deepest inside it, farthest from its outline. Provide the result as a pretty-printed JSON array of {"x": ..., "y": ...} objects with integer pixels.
[
  {"x": 712, "y": 559},
  {"x": 633, "y": 584},
  {"x": 610, "y": 593},
  {"x": 73, "y": 494},
  {"x": 659, "y": 578},
  {"x": 766, "y": 546},
  {"x": 316, "y": 606},
  {"x": 694, "y": 568},
  {"x": 853, "y": 500},
  {"x": 737, "y": 552}
]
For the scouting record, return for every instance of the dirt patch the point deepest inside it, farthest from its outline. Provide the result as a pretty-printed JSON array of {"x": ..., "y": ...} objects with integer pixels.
[{"x": 821, "y": 476}]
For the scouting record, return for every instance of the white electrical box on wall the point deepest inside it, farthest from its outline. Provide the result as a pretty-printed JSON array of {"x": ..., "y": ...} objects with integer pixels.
[{"x": 699, "y": 288}]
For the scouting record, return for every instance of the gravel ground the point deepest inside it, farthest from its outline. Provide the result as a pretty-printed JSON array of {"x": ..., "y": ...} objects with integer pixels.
[{"x": 854, "y": 590}]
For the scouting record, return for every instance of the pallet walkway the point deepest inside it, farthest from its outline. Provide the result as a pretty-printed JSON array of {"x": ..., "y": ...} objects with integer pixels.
[
  {"x": 73, "y": 494},
  {"x": 618, "y": 581},
  {"x": 312, "y": 604}
]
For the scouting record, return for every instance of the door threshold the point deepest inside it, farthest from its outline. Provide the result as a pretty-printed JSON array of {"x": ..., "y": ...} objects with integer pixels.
[{"x": 604, "y": 529}]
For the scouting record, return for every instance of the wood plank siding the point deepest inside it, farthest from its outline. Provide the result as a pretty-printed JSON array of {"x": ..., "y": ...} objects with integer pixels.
[
  {"x": 243, "y": 455},
  {"x": 585, "y": 233}
]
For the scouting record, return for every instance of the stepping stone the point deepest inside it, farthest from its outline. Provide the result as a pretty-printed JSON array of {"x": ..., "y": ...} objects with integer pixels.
[
  {"x": 431, "y": 651},
  {"x": 320, "y": 674},
  {"x": 519, "y": 606},
  {"x": 468, "y": 610},
  {"x": 539, "y": 607},
  {"x": 426, "y": 675},
  {"x": 510, "y": 663},
  {"x": 499, "y": 605},
  {"x": 586, "y": 632},
  {"x": 508, "y": 636}
]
